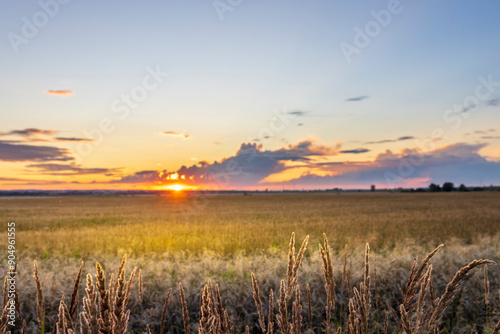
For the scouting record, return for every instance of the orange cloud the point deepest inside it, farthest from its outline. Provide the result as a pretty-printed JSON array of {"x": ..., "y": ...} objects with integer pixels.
[
  {"x": 176, "y": 134},
  {"x": 60, "y": 92}
]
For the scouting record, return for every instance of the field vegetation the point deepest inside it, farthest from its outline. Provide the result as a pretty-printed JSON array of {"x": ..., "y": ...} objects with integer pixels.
[
  {"x": 182, "y": 239},
  {"x": 229, "y": 224}
]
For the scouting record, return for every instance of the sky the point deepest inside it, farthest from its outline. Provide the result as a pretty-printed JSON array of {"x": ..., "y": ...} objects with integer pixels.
[{"x": 239, "y": 94}]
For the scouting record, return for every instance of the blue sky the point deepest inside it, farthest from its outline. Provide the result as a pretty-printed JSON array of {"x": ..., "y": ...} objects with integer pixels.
[{"x": 228, "y": 78}]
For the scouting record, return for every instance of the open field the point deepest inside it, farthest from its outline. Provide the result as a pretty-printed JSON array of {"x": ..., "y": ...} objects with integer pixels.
[
  {"x": 228, "y": 224},
  {"x": 226, "y": 238}
]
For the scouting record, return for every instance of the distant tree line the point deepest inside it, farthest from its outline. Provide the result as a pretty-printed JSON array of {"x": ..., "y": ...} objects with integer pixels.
[{"x": 449, "y": 186}]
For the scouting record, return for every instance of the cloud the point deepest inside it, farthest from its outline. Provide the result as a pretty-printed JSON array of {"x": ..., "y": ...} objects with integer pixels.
[
  {"x": 176, "y": 134},
  {"x": 355, "y": 151},
  {"x": 71, "y": 169},
  {"x": 357, "y": 98},
  {"x": 309, "y": 165},
  {"x": 298, "y": 113},
  {"x": 60, "y": 92},
  {"x": 72, "y": 139},
  {"x": 25, "y": 182},
  {"x": 390, "y": 140},
  {"x": 250, "y": 164},
  {"x": 21, "y": 152},
  {"x": 11, "y": 179},
  {"x": 493, "y": 102},
  {"x": 484, "y": 132},
  {"x": 459, "y": 163},
  {"x": 30, "y": 132},
  {"x": 32, "y": 135}
]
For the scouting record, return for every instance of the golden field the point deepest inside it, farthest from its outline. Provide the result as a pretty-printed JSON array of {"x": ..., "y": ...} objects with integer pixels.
[
  {"x": 228, "y": 224},
  {"x": 188, "y": 239}
]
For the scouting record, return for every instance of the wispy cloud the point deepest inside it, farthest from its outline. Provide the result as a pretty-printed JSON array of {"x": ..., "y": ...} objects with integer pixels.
[
  {"x": 494, "y": 102},
  {"x": 390, "y": 140},
  {"x": 485, "y": 133},
  {"x": 176, "y": 134},
  {"x": 357, "y": 98},
  {"x": 355, "y": 151},
  {"x": 19, "y": 181},
  {"x": 72, "y": 139},
  {"x": 22, "y": 152},
  {"x": 40, "y": 135},
  {"x": 298, "y": 113},
  {"x": 70, "y": 169},
  {"x": 29, "y": 132},
  {"x": 62, "y": 92}
]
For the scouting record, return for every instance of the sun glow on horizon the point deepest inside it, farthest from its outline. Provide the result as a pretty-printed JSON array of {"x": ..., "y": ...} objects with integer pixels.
[{"x": 177, "y": 187}]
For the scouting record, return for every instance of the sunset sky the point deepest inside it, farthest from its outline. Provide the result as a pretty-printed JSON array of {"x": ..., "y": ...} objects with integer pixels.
[{"x": 248, "y": 94}]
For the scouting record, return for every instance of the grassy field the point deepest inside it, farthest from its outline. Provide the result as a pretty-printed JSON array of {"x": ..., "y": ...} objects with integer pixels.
[
  {"x": 229, "y": 224},
  {"x": 187, "y": 239}
]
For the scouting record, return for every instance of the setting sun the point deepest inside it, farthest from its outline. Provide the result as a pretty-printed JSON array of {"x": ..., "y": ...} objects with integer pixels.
[{"x": 176, "y": 187}]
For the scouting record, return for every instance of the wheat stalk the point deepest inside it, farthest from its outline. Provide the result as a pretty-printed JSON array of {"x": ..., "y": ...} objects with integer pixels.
[
  {"x": 296, "y": 312},
  {"x": 185, "y": 313},
  {"x": 205, "y": 312},
  {"x": 405, "y": 323},
  {"x": 421, "y": 298},
  {"x": 164, "y": 312},
  {"x": 415, "y": 278},
  {"x": 486, "y": 286},
  {"x": 73, "y": 308},
  {"x": 290, "y": 264},
  {"x": 140, "y": 285},
  {"x": 90, "y": 314},
  {"x": 451, "y": 290},
  {"x": 4, "y": 317},
  {"x": 309, "y": 306},
  {"x": 270, "y": 318},
  {"x": 105, "y": 315},
  {"x": 329, "y": 278},
  {"x": 39, "y": 299},
  {"x": 496, "y": 330},
  {"x": 258, "y": 303},
  {"x": 283, "y": 316},
  {"x": 298, "y": 260}
]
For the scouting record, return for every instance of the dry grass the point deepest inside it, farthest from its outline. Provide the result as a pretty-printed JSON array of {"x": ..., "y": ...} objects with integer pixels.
[
  {"x": 344, "y": 291},
  {"x": 412, "y": 311}
]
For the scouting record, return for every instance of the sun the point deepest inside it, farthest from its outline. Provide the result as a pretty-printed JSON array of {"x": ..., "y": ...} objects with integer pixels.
[{"x": 176, "y": 187}]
